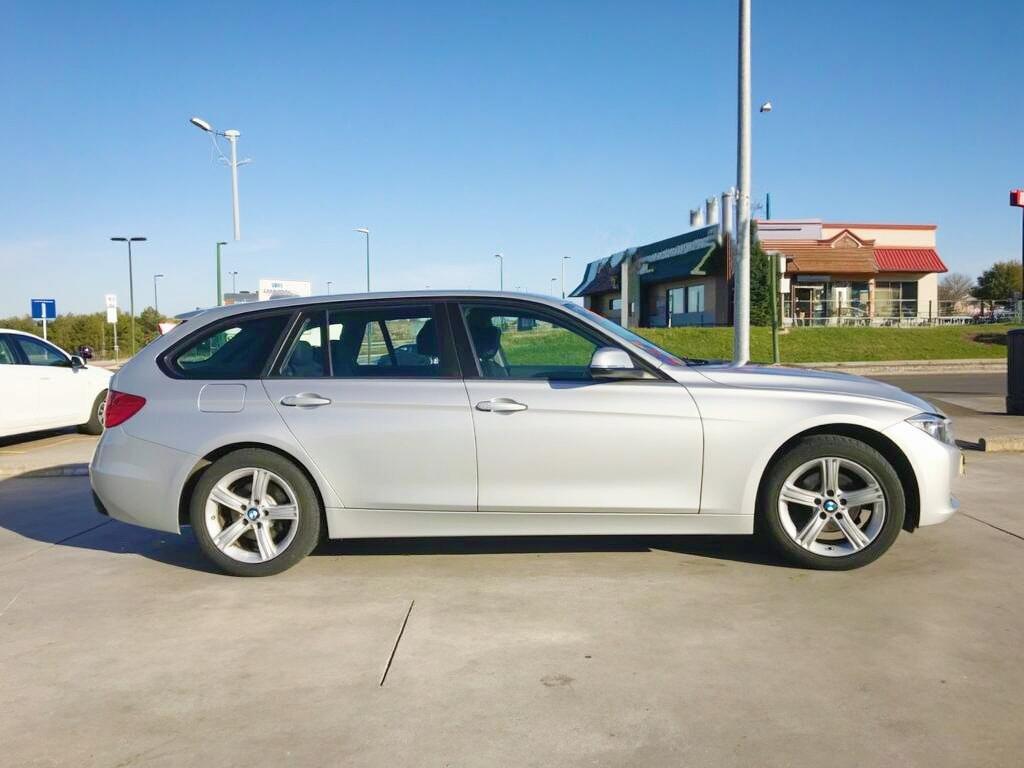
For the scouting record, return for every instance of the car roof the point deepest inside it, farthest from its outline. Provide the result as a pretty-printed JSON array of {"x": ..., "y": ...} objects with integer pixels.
[
  {"x": 216, "y": 313},
  {"x": 24, "y": 333}
]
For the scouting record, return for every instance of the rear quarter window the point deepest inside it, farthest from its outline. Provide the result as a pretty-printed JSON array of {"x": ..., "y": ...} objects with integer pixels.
[{"x": 236, "y": 350}]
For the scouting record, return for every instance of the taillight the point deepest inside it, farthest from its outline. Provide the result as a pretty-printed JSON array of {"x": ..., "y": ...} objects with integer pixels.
[{"x": 120, "y": 407}]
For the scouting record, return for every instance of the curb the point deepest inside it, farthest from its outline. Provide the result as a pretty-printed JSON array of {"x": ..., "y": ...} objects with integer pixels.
[
  {"x": 877, "y": 367},
  {"x": 71, "y": 471},
  {"x": 1005, "y": 443}
]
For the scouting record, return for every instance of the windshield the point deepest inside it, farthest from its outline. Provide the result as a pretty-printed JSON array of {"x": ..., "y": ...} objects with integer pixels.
[{"x": 626, "y": 335}]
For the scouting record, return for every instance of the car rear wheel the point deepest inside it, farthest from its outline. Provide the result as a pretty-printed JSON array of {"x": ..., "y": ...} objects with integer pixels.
[
  {"x": 255, "y": 513},
  {"x": 94, "y": 426},
  {"x": 832, "y": 503}
]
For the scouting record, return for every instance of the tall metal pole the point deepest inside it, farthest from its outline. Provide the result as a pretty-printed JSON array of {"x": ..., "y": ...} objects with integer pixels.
[
  {"x": 741, "y": 277},
  {"x": 131, "y": 294},
  {"x": 367, "y": 261},
  {"x": 564, "y": 259},
  {"x": 501, "y": 271},
  {"x": 220, "y": 292},
  {"x": 156, "y": 297},
  {"x": 232, "y": 137}
]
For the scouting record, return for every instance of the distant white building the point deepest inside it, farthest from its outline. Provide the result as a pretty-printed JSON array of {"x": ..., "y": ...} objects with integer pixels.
[{"x": 283, "y": 289}]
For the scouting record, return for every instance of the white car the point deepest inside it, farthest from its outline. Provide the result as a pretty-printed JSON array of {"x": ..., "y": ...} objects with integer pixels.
[
  {"x": 263, "y": 425},
  {"x": 43, "y": 387}
]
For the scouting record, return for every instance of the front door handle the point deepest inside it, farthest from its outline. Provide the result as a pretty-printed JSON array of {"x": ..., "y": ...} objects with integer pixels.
[
  {"x": 500, "y": 405},
  {"x": 305, "y": 399}
]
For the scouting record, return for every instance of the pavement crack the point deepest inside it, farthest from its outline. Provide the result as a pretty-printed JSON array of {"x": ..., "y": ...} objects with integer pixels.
[
  {"x": 394, "y": 648},
  {"x": 990, "y": 525}
]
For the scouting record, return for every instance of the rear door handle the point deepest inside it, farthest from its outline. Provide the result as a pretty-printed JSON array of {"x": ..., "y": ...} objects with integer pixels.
[
  {"x": 500, "y": 405},
  {"x": 305, "y": 399}
]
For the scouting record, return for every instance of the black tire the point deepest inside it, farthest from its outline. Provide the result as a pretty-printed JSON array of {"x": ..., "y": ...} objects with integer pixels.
[
  {"x": 94, "y": 426},
  {"x": 769, "y": 518},
  {"x": 309, "y": 519}
]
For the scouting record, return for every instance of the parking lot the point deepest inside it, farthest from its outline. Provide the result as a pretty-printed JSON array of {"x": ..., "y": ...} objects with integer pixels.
[{"x": 120, "y": 647}]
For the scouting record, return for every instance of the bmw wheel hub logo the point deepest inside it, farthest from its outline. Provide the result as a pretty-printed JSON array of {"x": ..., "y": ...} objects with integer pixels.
[
  {"x": 831, "y": 506},
  {"x": 252, "y": 513}
]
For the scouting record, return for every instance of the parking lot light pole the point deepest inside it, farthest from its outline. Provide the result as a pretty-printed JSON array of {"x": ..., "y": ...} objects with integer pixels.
[
  {"x": 233, "y": 162},
  {"x": 741, "y": 278},
  {"x": 234, "y": 286},
  {"x": 564, "y": 259},
  {"x": 131, "y": 280},
  {"x": 369, "y": 326},
  {"x": 501, "y": 271},
  {"x": 220, "y": 293},
  {"x": 156, "y": 297},
  {"x": 1017, "y": 201}
]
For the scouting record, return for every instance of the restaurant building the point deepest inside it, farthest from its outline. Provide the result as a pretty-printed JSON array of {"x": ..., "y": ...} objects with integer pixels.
[
  {"x": 831, "y": 273},
  {"x": 682, "y": 280},
  {"x": 838, "y": 272}
]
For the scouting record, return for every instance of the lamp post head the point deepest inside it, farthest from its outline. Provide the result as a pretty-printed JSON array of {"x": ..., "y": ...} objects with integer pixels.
[
  {"x": 232, "y": 134},
  {"x": 198, "y": 122},
  {"x": 156, "y": 276},
  {"x": 364, "y": 230},
  {"x": 221, "y": 242},
  {"x": 138, "y": 239},
  {"x": 119, "y": 239},
  {"x": 766, "y": 107}
]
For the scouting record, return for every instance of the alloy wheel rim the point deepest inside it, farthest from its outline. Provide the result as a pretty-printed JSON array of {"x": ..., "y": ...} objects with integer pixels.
[
  {"x": 252, "y": 515},
  {"x": 101, "y": 412},
  {"x": 832, "y": 506}
]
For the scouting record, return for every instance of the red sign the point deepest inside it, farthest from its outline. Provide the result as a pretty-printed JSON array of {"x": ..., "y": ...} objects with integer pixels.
[{"x": 1017, "y": 198}]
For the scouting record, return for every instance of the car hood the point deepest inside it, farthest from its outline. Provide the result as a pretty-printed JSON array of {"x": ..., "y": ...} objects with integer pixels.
[{"x": 799, "y": 379}]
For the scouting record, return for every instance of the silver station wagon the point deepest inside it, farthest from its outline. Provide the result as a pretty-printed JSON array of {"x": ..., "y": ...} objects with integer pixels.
[{"x": 267, "y": 426}]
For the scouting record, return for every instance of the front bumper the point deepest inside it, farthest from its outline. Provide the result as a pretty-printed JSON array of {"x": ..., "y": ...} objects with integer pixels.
[
  {"x": 139, "y": 482},
  {"x": 936, "y": 465}
]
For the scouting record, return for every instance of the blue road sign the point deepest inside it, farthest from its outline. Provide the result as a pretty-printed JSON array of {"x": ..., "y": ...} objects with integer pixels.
[{"x": 44, "y": 309}]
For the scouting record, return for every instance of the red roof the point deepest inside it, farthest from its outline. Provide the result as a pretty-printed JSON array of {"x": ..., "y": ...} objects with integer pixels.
[{"x": 909, "y": 260}]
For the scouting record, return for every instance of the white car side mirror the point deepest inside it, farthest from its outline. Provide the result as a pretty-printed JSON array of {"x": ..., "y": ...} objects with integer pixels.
[{"x": 613, "y": 363}]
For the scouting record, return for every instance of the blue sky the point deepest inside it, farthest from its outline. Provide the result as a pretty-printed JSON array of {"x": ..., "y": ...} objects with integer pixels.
[{"x": 459, "y": 130}]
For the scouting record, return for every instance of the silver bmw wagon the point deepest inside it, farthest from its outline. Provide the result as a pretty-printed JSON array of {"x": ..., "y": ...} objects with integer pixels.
[{"x": 267, "y": 426}]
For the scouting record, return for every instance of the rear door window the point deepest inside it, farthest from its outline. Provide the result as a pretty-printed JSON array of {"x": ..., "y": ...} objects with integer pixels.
[
  {"x": 6, "y": 352},
  {"x": 386, "y": 342},
  {"x": 237, "y": 350}
]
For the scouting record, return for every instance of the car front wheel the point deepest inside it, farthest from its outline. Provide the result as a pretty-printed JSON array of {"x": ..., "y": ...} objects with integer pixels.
[
  {"x": 831, "y": 502},
  {"x": 255, "y": 513}
]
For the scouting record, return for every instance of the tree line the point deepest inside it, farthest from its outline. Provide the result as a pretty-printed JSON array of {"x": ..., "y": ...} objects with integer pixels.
[
  {"x": 71, "y": 331},
  {"x": 1003, "y": 281}
]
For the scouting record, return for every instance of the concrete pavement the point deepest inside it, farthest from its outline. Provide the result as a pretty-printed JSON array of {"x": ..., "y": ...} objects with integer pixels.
[{"x": 118, "y": 645}]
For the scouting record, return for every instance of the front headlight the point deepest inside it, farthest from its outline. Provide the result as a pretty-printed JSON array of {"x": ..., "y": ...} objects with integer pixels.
[{"x": 937, "y": 426}]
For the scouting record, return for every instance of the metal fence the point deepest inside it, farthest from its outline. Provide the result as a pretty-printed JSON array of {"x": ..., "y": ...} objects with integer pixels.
[{"x": 892, "y": 313}]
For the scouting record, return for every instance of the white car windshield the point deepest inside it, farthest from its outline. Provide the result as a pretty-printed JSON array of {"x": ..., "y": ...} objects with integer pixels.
[{"x": 627, "y": 335}]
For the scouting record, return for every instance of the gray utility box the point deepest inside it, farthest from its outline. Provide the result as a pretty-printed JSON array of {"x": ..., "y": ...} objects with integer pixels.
[{"x": 1015, "y": 371}]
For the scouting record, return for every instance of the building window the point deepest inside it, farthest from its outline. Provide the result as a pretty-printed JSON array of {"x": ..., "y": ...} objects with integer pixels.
[
  {"x": 896, "y": 299},
  {"x": 614, "y": 304},
  {"x": 676, "y": 301},
  {"x": 695, "y": 298}
]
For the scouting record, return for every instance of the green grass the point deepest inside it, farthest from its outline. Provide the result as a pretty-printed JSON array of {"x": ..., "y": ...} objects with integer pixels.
[{"x": 827, "y": 345}]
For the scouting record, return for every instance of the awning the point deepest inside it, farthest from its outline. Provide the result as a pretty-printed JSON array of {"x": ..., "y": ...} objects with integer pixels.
[
  {"x": 909, "y": 260},
  {"x": 600, "y": 274},
  {"x": 824, "y": 260},
  {"x": 694, "y": 263}
]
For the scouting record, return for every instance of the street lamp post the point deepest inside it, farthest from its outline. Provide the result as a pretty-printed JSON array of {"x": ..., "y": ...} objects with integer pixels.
[
  {"x": 234, "y": 286},
  {"x": 156, "y": 298},
  {"x": 741, "y": 312},
  {"x": 564, "y": 259},
  {"x": 501, "y": 271},
  {"x": 131, "y": 280},
  {"x": 366, "y": 232},
  {"x": 220, "y": 293},
  {"x": 369, "y": 326},
  {"x": 329, "y": 287},
  {"x": 553, "y": 281},
  {"x": 232, "y": 137}
]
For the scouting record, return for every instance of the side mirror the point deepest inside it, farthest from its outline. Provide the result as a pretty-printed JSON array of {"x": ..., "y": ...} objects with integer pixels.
[
  {"x": 77, "y": 362},
  {"x": 613, "y": 363}
]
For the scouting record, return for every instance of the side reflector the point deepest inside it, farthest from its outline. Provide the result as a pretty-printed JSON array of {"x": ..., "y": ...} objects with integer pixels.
[{"x": 120, "y": 407}]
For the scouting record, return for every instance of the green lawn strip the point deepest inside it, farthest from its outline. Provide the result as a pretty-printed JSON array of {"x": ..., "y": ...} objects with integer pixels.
[{"x": 828, "y": 345}]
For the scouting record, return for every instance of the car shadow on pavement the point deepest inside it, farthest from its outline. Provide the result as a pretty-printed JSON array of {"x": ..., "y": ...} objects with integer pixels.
[
  {"x": 68, "y": 518},
  {"x": 745, "y": 549}
]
